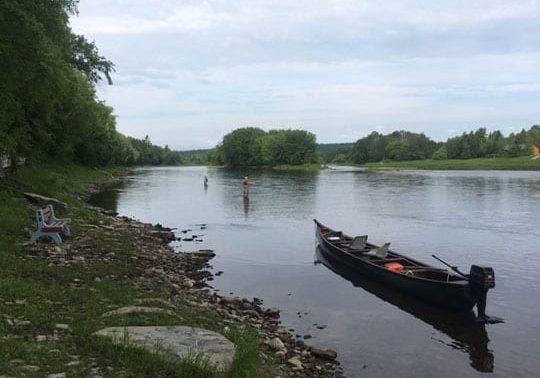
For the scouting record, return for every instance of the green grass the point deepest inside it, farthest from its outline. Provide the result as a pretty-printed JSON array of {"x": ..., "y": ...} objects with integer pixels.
[
  {"x": 302, "y": 167},
  {"x": 36, "y": 294},
  {"x": 525, "y": 163}
]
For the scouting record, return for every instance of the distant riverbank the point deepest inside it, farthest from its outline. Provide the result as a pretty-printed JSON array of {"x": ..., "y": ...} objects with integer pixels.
[{"x": 522, "y": 163}]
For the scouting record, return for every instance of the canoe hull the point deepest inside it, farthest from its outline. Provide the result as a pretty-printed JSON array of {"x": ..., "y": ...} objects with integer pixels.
[{"x": 456, "y": 295}]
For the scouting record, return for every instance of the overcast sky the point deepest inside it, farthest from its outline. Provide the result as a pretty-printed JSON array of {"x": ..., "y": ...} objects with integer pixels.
[{"x": 188, "y": 72}]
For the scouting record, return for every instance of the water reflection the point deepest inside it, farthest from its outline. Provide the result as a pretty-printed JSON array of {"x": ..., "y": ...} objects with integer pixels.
[
  {"x": 246, "y": 206},
  {"x": 271, "y": 192},
  {"x": 466, "y": 335},
  {"x": 107, "y": 199}
]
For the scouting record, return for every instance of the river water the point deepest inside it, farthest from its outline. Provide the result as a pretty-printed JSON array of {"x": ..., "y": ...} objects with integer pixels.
[{"x": 266, "y": 249}]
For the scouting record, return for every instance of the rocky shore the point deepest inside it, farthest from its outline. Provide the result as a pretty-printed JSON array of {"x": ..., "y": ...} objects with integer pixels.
[
  {"x": 173, "y": 281},
  {"x": 184, "y": 276}
]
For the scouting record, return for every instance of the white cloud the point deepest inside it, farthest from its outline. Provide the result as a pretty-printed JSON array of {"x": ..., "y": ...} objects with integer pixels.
[
  {"x": 179, "y": 19},
  {"x": 190, "y": 71}
]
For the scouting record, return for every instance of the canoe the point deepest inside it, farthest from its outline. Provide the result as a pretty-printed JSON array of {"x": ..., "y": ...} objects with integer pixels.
[
  {"x": 461, "y": 327},
  {"x": 438, "y": 286}
]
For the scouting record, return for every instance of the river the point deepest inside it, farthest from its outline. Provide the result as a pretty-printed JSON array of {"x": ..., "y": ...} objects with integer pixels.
[{"x": 266, "y": 249}]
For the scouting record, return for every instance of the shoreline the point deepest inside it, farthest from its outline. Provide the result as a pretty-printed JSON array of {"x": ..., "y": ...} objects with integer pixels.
[
  {"x": 523, "y": 163},
  {"x": 115, "y": 271},
  {"x": 184, "y": 274}
]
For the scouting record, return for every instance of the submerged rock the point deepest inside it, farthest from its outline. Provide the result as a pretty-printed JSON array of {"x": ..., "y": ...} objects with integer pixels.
[{"x": 327, "y": 354}]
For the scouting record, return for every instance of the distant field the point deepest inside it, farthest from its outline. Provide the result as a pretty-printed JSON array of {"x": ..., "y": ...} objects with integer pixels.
[{"x": 525, "y": 163}]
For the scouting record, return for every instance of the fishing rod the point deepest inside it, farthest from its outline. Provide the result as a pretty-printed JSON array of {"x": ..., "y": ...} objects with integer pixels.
[{"x": 454, "y": 268}]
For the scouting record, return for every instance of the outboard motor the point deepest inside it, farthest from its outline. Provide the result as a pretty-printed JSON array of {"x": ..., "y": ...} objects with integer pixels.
[{"x": 481, "y": 279}]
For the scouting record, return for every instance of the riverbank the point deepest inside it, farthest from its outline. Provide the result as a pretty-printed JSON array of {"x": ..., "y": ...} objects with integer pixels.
[
  {"x": 522, "y": 163},
  {"x": 300, "y": 168},
  {"x": 53, "y": 298}
]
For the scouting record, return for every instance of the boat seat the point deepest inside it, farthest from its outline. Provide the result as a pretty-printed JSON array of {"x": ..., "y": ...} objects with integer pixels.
[
  {"x": 380, "y": 252},
  {"x": 358, "y": 243}
]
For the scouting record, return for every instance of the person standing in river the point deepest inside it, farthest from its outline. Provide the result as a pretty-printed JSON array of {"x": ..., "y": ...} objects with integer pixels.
[
  {"x": 206, "y": 181},
  {"x": 247, "y": 185}
]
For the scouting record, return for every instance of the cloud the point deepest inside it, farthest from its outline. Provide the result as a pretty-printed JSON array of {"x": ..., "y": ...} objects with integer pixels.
[
  {"x": 167, "y": 18},
  {"x": 190, "y": 71}
]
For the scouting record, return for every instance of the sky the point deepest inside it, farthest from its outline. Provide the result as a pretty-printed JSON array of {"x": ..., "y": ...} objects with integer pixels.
[{"x": 189, "y": 72}]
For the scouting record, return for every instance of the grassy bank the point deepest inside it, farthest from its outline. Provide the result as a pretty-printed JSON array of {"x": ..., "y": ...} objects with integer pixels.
[
  {"x": 525, "y": 163},
  {"x": 302, "y": 168},
  {"x": 52, "y": 298}
]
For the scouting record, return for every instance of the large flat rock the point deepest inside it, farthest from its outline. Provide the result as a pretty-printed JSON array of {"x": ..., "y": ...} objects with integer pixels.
[
  {"x": 178, "y": 341},
  {"x": 138, "y": 310},
  {"x": 44, "y": 201}
]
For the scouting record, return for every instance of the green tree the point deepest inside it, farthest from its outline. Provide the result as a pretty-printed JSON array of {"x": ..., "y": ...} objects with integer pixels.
[
  {"x": 401, "y": 150},
  {"x": 46, "y": 95},
  {"x": 369, "y": 149},
  {"x": 295, "y": 147},
  {"x": 399, "y": 145},
  {"x": 242, "y": 147},
  {"x": 339, "y": 159},
  {"x": 440, "y": 154},
  {"x": 534, "y": 135},
  {"x": 494, "y": 145}
]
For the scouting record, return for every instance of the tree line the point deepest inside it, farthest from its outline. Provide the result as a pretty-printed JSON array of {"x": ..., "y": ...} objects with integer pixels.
[
  {"x": 48, "y": 104},
  {"x": 250, "y": 146},
  {"x": 405, "y": 145}
]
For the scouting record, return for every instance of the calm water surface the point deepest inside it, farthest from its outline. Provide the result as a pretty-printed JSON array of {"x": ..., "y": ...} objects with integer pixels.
[{"x": 266, "y": 249}]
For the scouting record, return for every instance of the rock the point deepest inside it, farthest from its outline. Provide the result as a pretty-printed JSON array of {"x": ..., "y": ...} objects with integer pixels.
[
  {"x": 64, "y": 327},
  {"x": 307, "y": 337},
  {"x": 165, "y": 235},
  {"x": 57, "y": 375},
  {"x": 30, "y": 368},
  {"x": 295, "y": 361},
  {"x": 327, "y": 354},
  {"x": 18, "y": 322},
  {"x": 95, "y": 373},
  {"x": 154, "y": 300},
  {"x": 206, "y": 254},
  {"x": 178, "y": 341},
  {"x": 44, "y": 201},
  {"x": 272, "y": 312},
  {"x": 276, "y": 344},
  {"x": 138, "y": 310},
  {"x": 231, "y": 300}
]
